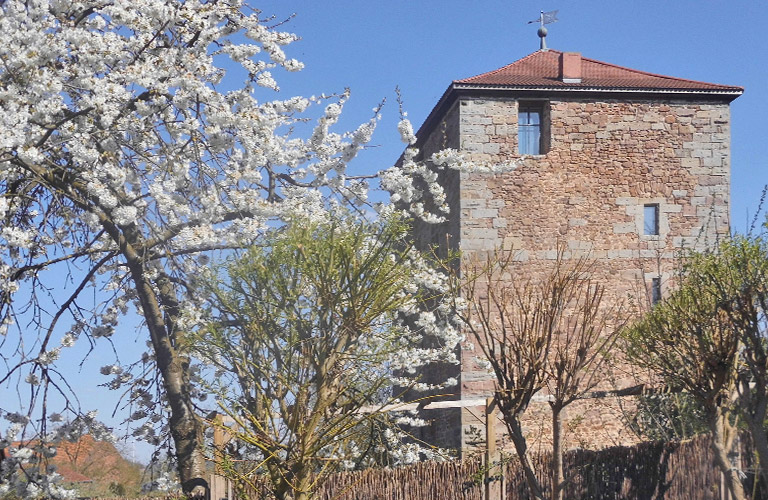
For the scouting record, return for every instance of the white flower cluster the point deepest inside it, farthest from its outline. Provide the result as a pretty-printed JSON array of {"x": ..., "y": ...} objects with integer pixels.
[
  {"x": 163, "y": 484},
  {"x": 455, "y": 160},
  {"x": 121, "y": 104},
  {"x": 22, "y": 472}
]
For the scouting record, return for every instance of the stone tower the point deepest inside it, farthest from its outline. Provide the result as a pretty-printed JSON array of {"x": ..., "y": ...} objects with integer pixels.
[{"x": 621, "y": 164}]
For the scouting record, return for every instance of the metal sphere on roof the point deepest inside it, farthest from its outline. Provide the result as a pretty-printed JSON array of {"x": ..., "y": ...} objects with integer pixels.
[{"x": 542, "y": 32}]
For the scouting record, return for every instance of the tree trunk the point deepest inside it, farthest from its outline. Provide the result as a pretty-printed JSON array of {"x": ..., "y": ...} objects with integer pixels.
[
  {"x": 186, "y": 428},
  {"x": 754, "y": 401},
  {"x": 760, "y": 441},
  {"x": 302, "y": 487},
  {"x": 717, "y": 424},
  {"x": 557, "y": 453},
  {"x": 521, "y": 447}
]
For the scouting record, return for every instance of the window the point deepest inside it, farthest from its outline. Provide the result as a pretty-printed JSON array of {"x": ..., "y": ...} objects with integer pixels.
[
  {"x": 651, "y": 220},
  {"x": 655, "y": 291},
  {"x": 532, "y": 128}
]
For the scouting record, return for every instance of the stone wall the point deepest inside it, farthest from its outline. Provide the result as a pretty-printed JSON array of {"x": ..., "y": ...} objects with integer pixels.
[
  {"x": 443, "y": 238},
  {"x": 605, "y": 161}
]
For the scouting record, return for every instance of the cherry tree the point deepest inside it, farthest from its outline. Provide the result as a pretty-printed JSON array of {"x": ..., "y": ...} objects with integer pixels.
[{"x": 124, "y": 163}]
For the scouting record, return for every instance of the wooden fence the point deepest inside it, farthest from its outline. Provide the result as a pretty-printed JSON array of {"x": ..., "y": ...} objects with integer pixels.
[
  {"x": 670, "y": 471},
  {"x": 649, "y": 471},
  {"x": 422, "y": 481}
]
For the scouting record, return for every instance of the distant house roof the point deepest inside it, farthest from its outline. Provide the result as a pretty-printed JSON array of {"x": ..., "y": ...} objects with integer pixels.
[
  {"x": 70, "y": 476},
  {"x": 542, "y": 69}
]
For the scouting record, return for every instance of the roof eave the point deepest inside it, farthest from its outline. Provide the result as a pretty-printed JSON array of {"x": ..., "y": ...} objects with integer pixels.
[{"x": 733, "y": 93}]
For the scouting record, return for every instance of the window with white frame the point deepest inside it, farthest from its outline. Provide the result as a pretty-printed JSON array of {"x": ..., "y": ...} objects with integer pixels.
[{"x": 532, "y": 128}]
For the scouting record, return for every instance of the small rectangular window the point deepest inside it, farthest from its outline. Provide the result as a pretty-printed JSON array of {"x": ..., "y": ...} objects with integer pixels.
[
  {"x": 655, "y": 290},
  {"x": 530, "y": 126},
  {"x": 651, "y": 220}
]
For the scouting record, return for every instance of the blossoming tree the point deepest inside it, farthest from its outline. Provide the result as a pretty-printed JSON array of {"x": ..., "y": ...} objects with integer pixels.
[{"x": 122, "y": 161}]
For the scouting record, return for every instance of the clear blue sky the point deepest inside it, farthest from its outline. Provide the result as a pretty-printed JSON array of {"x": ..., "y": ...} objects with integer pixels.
[{"x": 423, "y": 45}]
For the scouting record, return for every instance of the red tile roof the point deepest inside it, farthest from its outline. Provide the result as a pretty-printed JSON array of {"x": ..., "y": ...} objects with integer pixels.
[{"x": 542, "y": 70}]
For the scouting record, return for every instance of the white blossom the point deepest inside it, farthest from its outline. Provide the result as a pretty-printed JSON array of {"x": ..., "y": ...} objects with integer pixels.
[
  {"x": 111, "y": 370},
  {"x": 165, "y": 156},
  {"x": 405, "y": 128},
  {"x": 125, "y": 215},
  {"x": 48, "y": 357}
]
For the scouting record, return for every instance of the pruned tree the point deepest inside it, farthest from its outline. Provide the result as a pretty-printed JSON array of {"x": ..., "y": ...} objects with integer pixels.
[
  {"x": 687, "y": 341},
  {"x": 123, "y": 160},
  {"x": 709, "y": 338},
  {"x": 308, "y": 335},
  {"x": 538, "y": 335},
  {"x": 739, "y": 275}
]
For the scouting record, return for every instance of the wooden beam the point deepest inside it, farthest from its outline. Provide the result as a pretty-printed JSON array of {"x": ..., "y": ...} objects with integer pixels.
[{"x": 636, "y": 390}]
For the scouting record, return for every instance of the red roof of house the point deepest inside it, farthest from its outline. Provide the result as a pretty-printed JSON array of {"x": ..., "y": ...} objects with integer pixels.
[{"x": 542, "y": 70}]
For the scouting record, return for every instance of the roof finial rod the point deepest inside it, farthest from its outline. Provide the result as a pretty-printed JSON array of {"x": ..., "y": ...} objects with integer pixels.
[{"x": 544, "y": 18}]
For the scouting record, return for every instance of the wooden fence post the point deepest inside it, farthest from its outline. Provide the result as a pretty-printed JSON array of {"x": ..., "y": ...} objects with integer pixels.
[
  {"x": 220, "y": 485},
  {"x": 493, "y": 486}
]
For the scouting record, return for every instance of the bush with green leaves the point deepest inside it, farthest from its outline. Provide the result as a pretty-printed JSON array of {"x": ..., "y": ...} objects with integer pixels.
[{"x": 311, "y": 332}]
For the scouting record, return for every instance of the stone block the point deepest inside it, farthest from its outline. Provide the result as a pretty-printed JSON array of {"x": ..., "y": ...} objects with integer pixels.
[
  {"x": 624, "y": 228},
  {"x": 484, "y": 213},
  {"x": 576, "y": 222},
  {"x": 701, "y": 153},
  {"x": 580, "y": 245},
  {"x": 698, "y": 200},
  {"x": 473, "y": 203},
  {"x": 496, "y": 204},
  {"x": 690, "y": 162},
  {"x": 712, "y": 162},
  {"x": 626, "y": 200},
  {"x": 472, "y": 129},
  {"x": 472, "y": 147},
  {"x": 468, "y": 245}
]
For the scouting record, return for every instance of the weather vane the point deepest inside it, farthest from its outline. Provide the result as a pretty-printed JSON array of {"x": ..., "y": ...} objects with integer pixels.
[{"x": 544, "y": 18}]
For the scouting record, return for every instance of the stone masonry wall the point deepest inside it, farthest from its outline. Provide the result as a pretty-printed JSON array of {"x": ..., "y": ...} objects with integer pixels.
[
  {"x": 443, "y": 237},
  {"x": 606, "y": 160}
]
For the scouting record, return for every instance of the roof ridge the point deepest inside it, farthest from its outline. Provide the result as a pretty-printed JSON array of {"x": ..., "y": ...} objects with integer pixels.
[{"x": 507, "y": 65}]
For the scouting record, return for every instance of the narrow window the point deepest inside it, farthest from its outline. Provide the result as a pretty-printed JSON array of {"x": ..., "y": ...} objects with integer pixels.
[
  {"x": 529, "y": 130},
  {"x": 651, "y": 220},
  {"x": 655, "y": 290}
]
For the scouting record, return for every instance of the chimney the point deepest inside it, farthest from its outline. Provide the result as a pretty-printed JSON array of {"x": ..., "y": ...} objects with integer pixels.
[{"x": 570, "y": 67}]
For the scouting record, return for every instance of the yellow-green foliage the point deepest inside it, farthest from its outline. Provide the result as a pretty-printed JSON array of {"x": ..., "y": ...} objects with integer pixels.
[{"x": 694, "y": 337}]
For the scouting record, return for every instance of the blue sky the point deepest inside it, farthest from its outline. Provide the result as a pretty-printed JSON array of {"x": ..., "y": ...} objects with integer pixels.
[{"x": 421, "y": 46}]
